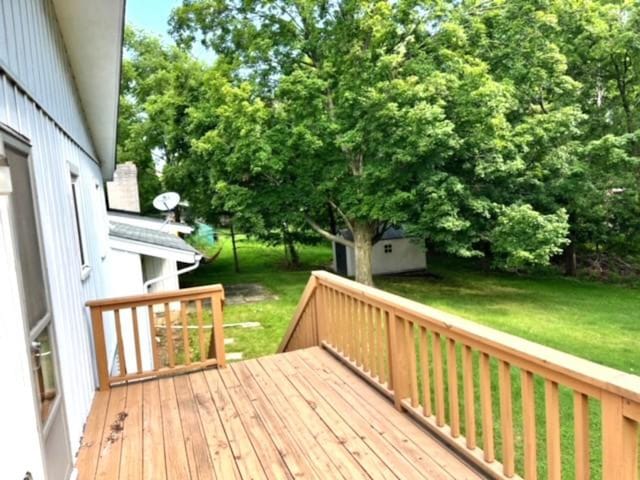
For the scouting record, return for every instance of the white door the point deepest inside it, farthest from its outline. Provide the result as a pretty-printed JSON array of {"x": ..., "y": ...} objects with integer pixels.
[{"x": 37, "y": 319}]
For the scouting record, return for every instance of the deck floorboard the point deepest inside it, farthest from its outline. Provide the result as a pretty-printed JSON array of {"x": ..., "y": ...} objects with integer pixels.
[{"x": 301, "y": 414}]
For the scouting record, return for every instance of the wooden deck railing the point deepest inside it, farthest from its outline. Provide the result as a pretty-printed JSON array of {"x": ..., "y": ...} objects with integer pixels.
[
  {"x": 443, "y": 371},
  {"x": 152, "y": 334}
]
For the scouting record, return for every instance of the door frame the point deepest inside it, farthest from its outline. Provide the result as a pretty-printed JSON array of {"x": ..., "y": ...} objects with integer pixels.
[{"x": 20, "y": 144}]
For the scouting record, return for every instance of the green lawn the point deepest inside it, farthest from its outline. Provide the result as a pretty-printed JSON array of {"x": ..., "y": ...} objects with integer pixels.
[
  {"x": 597, "y": 321},
  {"x": 594, "y": 320}
]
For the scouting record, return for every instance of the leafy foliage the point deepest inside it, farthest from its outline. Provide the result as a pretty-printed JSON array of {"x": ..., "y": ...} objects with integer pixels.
[{"x": 494, "y": 128}]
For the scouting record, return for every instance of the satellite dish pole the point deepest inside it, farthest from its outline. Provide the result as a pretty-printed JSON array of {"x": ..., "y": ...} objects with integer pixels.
[{"x": 166, "y": 202}]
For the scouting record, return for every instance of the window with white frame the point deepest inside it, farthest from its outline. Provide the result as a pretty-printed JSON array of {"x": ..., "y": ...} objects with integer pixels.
[
  {"x": 388, "y": 248},
  {"x": 76, "y": 197}
]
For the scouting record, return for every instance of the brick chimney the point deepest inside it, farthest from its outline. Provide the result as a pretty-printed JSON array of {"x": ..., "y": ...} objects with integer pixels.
[{"x": 122, "y": 191}]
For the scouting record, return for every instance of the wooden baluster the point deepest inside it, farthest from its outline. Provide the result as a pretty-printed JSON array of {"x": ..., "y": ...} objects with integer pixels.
[
  {"x": 121, "y": 354},
  {"x": 326, "y": 331},
  {"x": 169, "y": 332},
  {"x": 357, "y": 331},
  {"x": 364, "y": 318},
  {"x": 347, "y": 325},
  {"x": 136, "y": 338},
  {"x": 320, "y": 314},
  {"x": 426, "y": 374},
  {"x": 353, "y": 334},
  {"x": 552, "y": 409},
  {"x": 581, "y": 436},
  {"x": 371, "y": 340},
  {"x": 154, "y": 335},
  {"x": 185, "y": 333},
  {"x": 101, "y": 348},
  {"x": 410, "y": 346},
  {"x": 619, "y": 441},
  {"x": 333, "y": 329},
  {"x": 487, "y": 408},
  {"x": 201, "y": 339},
  {"x": 398, "y": 360},
  {"x": 506, "y": 418},
  {"x": 469, "y": 397},
  {"x": 337, "y": 327},
  {"x": 382, "y": 346},
  {"x": 454, "y": 401},
  {"x": 439, "y": 380},
  {"x": 344, "y": 327},
  {"x": 529, "y": 424}
]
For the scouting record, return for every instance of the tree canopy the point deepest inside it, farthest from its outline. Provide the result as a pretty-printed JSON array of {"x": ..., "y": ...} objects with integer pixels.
[{"x": 506, "y": 129}]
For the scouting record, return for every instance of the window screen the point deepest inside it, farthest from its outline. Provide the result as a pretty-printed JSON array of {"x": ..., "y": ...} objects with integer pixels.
[{"x": 26, "y": 232}]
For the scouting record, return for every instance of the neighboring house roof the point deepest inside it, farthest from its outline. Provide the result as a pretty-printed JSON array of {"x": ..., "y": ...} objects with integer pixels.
[
  {"x": 93, "y": 31},
  {"x": 389, "y": 234},
  {"x": 136, "y": 219},
  {"x": 154, "y": 243}
]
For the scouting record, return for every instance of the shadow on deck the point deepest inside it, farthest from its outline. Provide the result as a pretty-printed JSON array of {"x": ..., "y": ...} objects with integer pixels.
[{"x": 296, "y": 414}]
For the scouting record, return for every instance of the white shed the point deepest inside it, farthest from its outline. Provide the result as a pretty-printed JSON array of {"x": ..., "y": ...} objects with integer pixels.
[{"x": 393, "y": 253}]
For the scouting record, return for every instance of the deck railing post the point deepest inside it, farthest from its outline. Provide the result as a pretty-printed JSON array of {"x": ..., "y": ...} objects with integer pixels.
[
  {"x": 321, "y": 314},
  {"x": 398, "y": 360},
  {"x": 619, "y": 441},
  {"x": 101, "y": 348},
  {"x": 216, "y": 348}
]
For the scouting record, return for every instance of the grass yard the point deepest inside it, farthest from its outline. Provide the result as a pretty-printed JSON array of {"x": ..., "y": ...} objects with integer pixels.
[
  {"x": 594, "y": 320},
  {"x": 597, "y": 321}
]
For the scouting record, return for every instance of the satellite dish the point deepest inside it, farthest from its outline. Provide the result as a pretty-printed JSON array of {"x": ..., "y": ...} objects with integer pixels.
[{"x": 165, "y": 202}]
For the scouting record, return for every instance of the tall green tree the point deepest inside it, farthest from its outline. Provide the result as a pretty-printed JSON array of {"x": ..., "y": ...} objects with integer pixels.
[
  {"x": 380, "y": 110},
  {"x": 159, "y": 82}
]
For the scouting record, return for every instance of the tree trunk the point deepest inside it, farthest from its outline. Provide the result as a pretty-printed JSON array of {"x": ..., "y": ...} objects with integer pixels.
[
  {"x": 333, "y": 225},
  {"x": 570, "y": 264},
  {"x": 363, "y": 245},
  {"x": 235, "y": 250},
  {"x": 290, "y": 251}
]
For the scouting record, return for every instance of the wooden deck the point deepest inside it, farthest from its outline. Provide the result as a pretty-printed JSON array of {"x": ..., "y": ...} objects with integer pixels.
[{"x": 297, "y": 414}]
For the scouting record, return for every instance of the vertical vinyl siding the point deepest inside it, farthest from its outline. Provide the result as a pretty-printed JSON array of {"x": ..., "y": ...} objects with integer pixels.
[
  {"x": 32, "y": 50},
  {"x": 52, "y": 151}
]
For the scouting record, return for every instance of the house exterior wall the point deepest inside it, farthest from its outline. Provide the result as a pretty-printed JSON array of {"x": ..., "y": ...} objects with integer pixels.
[
  {"x": 32, "y": 51},
  {"x": 38, "y": 100},
  {"x": 129, "y": 268},
  {"x": 155, "y": 267},
  {"x": 405, "y": 256}
]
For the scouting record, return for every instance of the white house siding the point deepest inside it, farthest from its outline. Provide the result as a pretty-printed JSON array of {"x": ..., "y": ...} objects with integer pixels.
[
  {"x": 155, "y": 267},
  {"x": 38, "y": 100},
  {"x": 32, "y": 50},
  {"x": 129, "y": 268}
]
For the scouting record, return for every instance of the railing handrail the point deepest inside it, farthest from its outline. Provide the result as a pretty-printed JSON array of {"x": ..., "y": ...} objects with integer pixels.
[
  {"x": 409, "y": 350},
  {"x": 150, "y": 298},
  {"x": 124, "y": 317},
  {"x": 307, "y": 294},
  {"x": 584, "y": 371}
]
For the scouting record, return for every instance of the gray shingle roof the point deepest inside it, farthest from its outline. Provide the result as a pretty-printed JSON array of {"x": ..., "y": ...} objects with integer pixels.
[
  {"x": 147, "y": 235},
  {"x": 390, "y": 233}
]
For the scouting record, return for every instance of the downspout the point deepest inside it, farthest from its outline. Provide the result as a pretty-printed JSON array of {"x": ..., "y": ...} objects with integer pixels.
[{"x": 190, "y": 268}]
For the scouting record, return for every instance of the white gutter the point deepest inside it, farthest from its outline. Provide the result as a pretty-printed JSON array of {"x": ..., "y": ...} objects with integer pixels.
[{"x": 190, "y": 268}]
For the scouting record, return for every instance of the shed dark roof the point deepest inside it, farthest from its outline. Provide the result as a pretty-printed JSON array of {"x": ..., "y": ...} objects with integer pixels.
[
  {"x": 389, "y": 234},
  {"x": 147, "y": 235}
]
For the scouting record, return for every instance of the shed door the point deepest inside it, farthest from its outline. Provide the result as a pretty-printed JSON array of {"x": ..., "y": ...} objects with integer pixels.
[
  {"x": 341, "y": 259},
  {"x": 38, "y": 321}
]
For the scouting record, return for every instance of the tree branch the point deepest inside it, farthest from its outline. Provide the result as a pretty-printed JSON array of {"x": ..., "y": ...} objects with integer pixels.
[
  {"x": 380, "y": 229},
  {"x": 327, "y": 235},
  {"x": 341, "y": 213}
]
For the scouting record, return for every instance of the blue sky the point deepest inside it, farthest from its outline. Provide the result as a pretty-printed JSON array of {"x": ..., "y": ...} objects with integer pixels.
[{"x": 153, "y": 16}]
